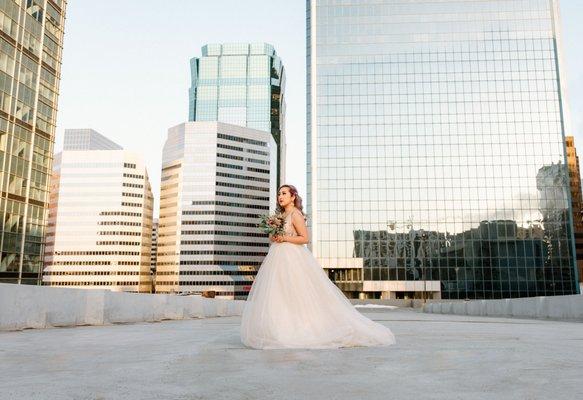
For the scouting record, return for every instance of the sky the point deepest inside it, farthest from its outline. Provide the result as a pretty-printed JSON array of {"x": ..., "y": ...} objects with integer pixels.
[{"x": 126, "y": 71}]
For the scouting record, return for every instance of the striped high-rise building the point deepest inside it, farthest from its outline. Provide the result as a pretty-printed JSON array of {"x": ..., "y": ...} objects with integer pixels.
[
  {"x": 31, "y": 40},
  {"x": 100, "y": 220},
  {"x": 216, "y": 181}
]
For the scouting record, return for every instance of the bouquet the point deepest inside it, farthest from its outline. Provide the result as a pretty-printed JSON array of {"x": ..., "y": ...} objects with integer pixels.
[{"x": 272, "y": 224}]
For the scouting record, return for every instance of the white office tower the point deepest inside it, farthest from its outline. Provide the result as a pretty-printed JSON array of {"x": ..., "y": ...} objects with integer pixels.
[
  {"x": 87, "y": 139},
  {"x": 100, "y": 219},
  {"x": 217, "y": 179}
]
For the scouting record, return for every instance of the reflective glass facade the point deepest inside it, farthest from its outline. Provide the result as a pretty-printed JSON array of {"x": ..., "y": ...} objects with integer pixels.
[
  {"x": 31, "y": 37},
  {"x": 436, "y": 147},
  {"x": 241, "y": 84}
]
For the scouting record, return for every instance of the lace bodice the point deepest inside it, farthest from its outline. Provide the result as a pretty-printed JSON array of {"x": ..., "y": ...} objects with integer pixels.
[{"x": 288, "y": 226}]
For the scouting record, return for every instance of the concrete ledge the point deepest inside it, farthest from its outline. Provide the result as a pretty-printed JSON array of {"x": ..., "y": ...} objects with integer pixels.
[
  {"x": 25, "y": 307},
  {"x": 564, "y": 308},
  {"x": 403, "y": 303}
]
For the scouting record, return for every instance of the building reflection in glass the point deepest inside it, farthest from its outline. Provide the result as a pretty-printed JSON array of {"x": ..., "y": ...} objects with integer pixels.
[
  {"x": 446, "y": 118},
  {"x": 495, "y": 259}
]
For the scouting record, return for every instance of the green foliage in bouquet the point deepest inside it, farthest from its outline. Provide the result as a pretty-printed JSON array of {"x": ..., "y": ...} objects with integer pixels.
[{"x": 272, "y": 224}]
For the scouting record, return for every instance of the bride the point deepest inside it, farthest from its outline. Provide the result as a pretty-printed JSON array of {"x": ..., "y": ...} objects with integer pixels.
[{"x": 293, "y": 304}]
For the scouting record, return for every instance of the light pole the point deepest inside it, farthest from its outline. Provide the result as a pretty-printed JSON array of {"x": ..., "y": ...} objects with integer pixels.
[{"x": 423, "y": 274}]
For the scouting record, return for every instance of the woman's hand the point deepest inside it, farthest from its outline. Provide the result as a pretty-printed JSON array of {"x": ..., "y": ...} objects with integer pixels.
[{"x": 279, "y": 239}]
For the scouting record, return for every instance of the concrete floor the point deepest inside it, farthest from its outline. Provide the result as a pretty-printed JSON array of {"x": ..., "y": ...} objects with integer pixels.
[{"x": 436, "y": 357}]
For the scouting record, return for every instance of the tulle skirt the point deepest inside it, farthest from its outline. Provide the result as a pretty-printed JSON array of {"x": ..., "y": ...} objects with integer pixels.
[{"x": 293, "y": 304}]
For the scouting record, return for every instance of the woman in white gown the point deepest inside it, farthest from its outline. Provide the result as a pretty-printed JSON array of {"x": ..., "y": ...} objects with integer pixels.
[{"x": 293, "y": 304}]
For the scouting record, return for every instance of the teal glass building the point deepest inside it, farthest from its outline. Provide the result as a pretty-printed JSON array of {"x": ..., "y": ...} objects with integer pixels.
[
  {"x": 436, "y": 148},
  {"x": 241, "y": 84}
]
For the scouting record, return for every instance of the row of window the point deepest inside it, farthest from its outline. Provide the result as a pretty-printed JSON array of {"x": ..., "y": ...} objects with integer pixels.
[
  {"x": 117, "y": 243},
  {"x": 79, "y": 263},
  {"x": 212, "y": 262},
  {"x": 262, "y": 153},
  {"x": 202, "y": 283},
  {"x": 120, "y": 213},
  {"x": 126, "y": 204},
  {"x": 247, "y": 187},
  {"x": 242, "y": 177},
  {"x": 235, "y": 148},
  {"x": 220, "y": 293},
  {"x": 229, "y": 147},
  {"x": 136, "y": 176},
  {"x": 118, "y": 283},
  {"x": 119, "y": 233},
  {"x": 227, "y": 223},
  {"x": 133, "y": 185},
  {"x": 230, "y": 156},
  {"x": 241, "y": 195},
  {"x": 97, "y": 253},
  {"x": 223, "y": 253},
  {"x": 223, "y": 243},
  {"x": 239, "y": 158},
  {"x": 123, "y": 223},
  {"x": 224, "y": 233},
  {"x": 228, "y": 204},
  {"x": 232, "y": 166},
  {"x": 217, "y": 212},
  {"x": 241, "y": 140},
  {"x": 259, "y": 170},
  {"x": 243, "y": 273},
  {"x": 126, "y": 194},
  {"x": 95, "y": 273}
]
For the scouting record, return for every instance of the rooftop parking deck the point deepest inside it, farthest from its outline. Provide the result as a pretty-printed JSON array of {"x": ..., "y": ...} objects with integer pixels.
[{"x": 436, "y": 357}]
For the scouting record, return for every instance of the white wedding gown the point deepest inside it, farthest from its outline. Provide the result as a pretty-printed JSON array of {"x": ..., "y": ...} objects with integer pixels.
[{"x": 293, "y": 304}]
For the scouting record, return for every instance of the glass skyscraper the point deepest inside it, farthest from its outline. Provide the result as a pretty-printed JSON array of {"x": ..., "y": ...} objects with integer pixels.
[
  {"x": 436, "y": 148},
  {"x": 31, "y": 38},
  {"x": 241, "y": 84}
]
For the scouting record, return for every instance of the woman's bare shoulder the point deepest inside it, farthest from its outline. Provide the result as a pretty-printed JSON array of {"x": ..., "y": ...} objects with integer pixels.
[{"x": 298, "y": 215}]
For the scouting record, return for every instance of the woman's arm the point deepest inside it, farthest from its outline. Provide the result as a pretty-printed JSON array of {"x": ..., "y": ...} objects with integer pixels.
[{"x": 300, "y": 226}]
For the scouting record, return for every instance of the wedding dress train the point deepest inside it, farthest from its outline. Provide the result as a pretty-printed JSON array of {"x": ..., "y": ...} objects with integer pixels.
[{"x": 293, "y": 304}]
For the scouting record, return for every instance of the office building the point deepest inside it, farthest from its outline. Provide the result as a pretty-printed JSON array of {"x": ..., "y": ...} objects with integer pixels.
[
  {"x": 31, "y": 40},
  {"x": 87, "y": 139},
  {"x": 436, "y": 148},
  {"x": 241, "y": 84},
  {"x": 100, "y": 219},
  {"x": 576, "y": 201},
  {"x": 215, "y": 184}
]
